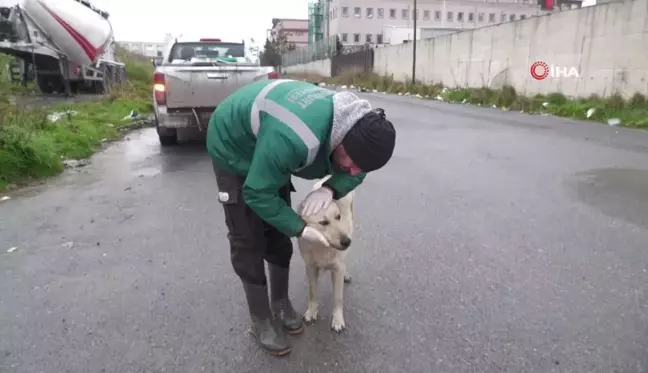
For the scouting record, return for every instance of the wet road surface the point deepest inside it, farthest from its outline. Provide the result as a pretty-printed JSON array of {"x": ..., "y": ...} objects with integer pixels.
[{"x": 492, "y": 242}]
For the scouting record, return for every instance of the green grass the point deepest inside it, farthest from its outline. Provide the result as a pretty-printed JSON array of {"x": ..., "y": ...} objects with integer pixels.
[
  {"x": 633, "y": 111},
  {"x": 33, "y": 147}
]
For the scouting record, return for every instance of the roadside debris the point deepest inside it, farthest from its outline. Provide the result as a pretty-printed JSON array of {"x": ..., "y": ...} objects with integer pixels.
[
  {"x": 614, "y": 122},
  {"x": 54, "y": 117},
  {"x": 68, "y": 245},
  {"x": 75, "y": 163},
  {"x": 133, "y": 114},
  {"x": 5, "y": 198},
  {"x": 11, "y": 250},
  {"x": 590, "y": 112}
]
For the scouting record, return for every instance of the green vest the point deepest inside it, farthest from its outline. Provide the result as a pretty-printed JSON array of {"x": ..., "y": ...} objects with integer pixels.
[{"x": 270, "y": 130}]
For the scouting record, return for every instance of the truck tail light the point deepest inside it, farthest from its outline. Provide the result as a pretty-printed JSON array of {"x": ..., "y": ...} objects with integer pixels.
[
  {"x": 273, "y": 75},
  {"x": 159, "y": 87}
]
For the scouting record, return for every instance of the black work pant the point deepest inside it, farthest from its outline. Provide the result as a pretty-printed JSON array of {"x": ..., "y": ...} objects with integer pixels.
[{"x": 251, "y": 239}]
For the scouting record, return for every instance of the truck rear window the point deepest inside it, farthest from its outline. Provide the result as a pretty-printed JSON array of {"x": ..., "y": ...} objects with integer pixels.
[{"x": 187, "y": 51}]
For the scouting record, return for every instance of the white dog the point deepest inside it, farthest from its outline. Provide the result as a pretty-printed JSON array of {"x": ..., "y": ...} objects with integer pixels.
[{"x": 336, "y": 224}]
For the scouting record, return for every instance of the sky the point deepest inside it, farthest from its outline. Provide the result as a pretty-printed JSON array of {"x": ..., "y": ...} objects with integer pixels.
[{"x": 148, "y": 20}]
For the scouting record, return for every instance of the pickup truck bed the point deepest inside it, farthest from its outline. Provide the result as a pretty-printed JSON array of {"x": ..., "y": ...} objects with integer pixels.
[{"x": 188, "y": 89}]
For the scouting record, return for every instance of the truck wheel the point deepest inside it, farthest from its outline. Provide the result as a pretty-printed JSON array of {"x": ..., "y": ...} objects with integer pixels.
[
  {"x": 167, "y": 136},
  {"x": 45, "y": 84},
  {"x": 168, "y": 140}
]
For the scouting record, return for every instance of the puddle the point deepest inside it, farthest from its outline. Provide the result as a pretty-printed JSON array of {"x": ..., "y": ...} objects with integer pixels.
[
  {"x": 618, "y": 192},
  {"x": 147, "y": 172}
]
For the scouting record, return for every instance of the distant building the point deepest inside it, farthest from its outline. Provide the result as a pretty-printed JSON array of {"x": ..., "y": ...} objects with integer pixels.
[
  {"x": 295, "y": 30},
  {"x": 378, "y": 21},
  {"x": 145, "y": 48}
]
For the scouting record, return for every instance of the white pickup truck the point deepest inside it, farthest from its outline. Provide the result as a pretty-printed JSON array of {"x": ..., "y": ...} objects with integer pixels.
[{"x": 193, "y": 77}]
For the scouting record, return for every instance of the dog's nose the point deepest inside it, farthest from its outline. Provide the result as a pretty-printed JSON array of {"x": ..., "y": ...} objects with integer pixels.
[{"x": 345, "y": 241}]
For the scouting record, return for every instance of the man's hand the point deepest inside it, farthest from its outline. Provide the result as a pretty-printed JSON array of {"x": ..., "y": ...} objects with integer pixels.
[
  {"x": 317, "y": 200},
  {"x": 313, "y": 235}
]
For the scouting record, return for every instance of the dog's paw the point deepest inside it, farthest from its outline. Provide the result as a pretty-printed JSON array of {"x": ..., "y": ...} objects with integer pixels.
[
  {"x": 347, "y": 278},
  {"x": 338, "y": 322},
  {"x": 311, "y": 315}
]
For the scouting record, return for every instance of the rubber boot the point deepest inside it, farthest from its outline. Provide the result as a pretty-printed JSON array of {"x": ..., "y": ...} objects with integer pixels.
[
  {"x": 280, "y": 302},
  {"x": 267, "y": 330}
]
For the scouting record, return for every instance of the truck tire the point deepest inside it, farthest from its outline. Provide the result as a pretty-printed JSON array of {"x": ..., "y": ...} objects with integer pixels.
[
  {"x": 48, "y": 84},
  {"x": 167, "y": 136},
  {"x": 106, "y": 84},
  {"x": 168, "y": 140}
]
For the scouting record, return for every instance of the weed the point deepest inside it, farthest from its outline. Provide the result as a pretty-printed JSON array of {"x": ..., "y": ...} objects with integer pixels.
[
  {"x": 32, "y": 146},
  {"x": 633, "y": 112}
]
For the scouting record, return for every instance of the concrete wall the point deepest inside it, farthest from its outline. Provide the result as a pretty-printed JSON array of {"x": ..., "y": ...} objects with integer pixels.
[
  {"x": 607, "y": 44},
  {"x": 321, "y": 68}
]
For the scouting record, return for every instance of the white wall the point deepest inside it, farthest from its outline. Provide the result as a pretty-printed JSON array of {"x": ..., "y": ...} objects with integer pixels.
[
  {"x": 607, "y": 43},
  {"x": 321, "y": 68}
]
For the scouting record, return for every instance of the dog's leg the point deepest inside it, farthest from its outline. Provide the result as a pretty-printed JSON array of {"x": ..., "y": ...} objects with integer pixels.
[
  {"x": 337, "y": 277},
  {"x": 312, "y": 272}
]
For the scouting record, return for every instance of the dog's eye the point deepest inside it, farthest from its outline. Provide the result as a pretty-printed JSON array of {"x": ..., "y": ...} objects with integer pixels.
[
  {"x": 338, "y": 217},
  {"x": 324, "y": 222}
]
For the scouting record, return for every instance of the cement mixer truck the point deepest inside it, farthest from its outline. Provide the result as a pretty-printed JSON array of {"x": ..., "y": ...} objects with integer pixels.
[{"x": 63, "y": 45}]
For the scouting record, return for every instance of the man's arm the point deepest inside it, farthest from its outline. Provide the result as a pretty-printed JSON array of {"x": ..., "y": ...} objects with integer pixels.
[
  {"x": 274, "y": 158},
  {"x": 342, "y": 183}
]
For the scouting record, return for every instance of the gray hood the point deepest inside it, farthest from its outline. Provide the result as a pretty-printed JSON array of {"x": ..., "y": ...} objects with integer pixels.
[{"x": 347, "y": 109}]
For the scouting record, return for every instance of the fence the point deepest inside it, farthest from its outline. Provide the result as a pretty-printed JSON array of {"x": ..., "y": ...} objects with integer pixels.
[
  {"x": 319, "y": 50},
  {"x": 360, "y": 61}
]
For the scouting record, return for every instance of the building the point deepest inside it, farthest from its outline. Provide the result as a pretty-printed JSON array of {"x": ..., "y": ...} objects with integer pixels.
[
  {"x": 375, "y": 21},
  {"x": 295, "y": 30},
  {"x": 146, "y": 48}
]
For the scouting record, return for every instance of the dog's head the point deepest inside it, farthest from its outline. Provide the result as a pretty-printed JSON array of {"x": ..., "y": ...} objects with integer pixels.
[{"x": 334, "y": 224}]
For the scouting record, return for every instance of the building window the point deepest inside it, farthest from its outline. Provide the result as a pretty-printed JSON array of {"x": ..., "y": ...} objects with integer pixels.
[
  {"x": 345, "y": 37},
  {"x": 480, "y": 17},
  {"x": 426, "y": 14},
  {"x": 491, "y": 17},
  {"x": 437, "y": 15},
  {"x": 368, "y": 38},
  {"x": 392, "y": 13},
  {"x": 369, "y": 12},
  {"x": 471, "y": 17},
  {"x": 356, "y": 38},
  {"x": 522, "y": 16},
  {"x": 357, "y": 11},
  {"x": 381, "y": 13},
  {"x": 503, "y": 17},
  {"x": 450, "y": 17},
  {"x": 512, "y": 17},
  {"x": 404, "y": 14},
  {"x": 460, "y": 16},
  {"x": 345, "y": 11},
  {"x": 379, "y": 39}
]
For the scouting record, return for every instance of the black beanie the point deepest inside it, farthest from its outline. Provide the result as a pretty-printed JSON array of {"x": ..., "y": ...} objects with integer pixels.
[{"x": 370, "y": 142}]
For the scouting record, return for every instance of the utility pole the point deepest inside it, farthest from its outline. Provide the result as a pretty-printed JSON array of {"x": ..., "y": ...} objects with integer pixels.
[{"x": 414, "y": 46}]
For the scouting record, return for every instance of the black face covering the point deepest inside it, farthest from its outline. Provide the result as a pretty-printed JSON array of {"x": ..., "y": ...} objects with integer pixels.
[{"x": 370, "y": 142}]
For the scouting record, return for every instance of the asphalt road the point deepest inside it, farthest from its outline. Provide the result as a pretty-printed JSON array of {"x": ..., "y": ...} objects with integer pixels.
[{"x": 492, "y": 242}]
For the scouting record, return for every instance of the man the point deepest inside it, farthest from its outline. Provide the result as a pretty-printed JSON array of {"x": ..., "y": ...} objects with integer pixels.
[{"x": 259, "y": 137}]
